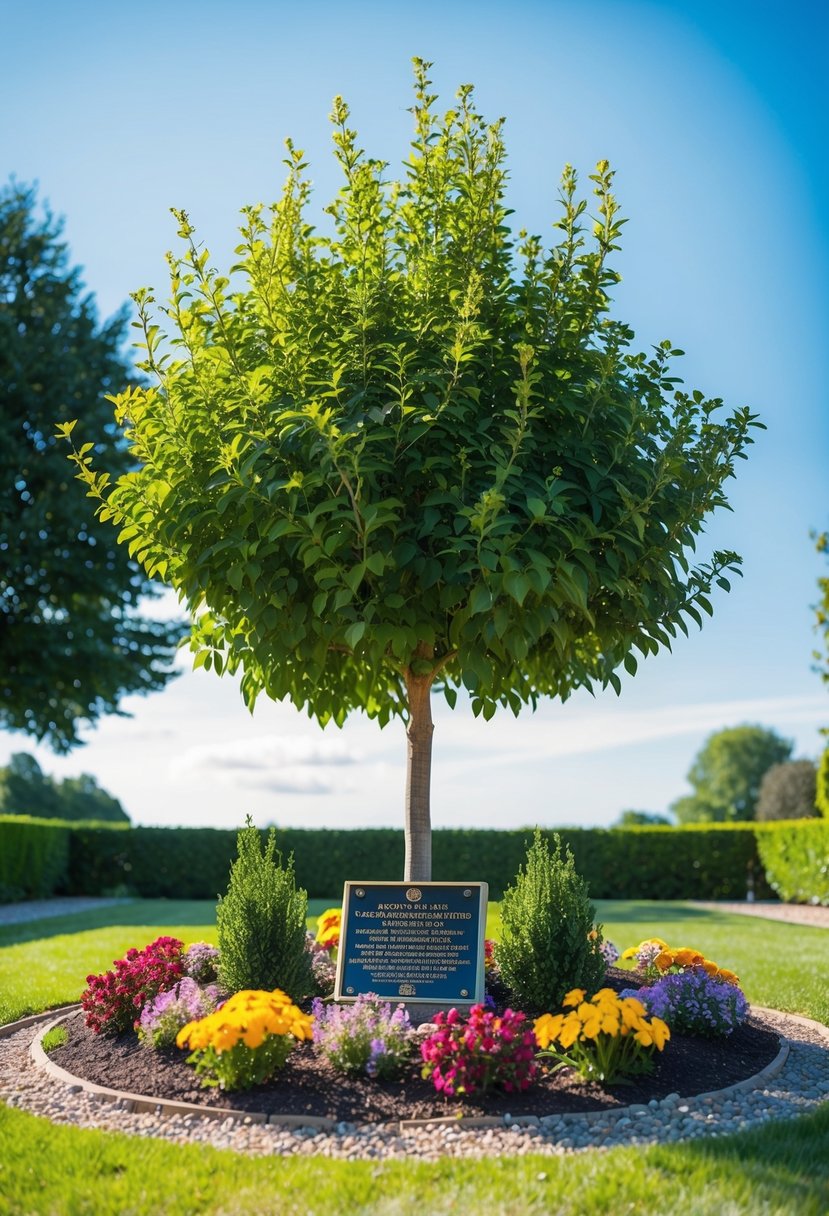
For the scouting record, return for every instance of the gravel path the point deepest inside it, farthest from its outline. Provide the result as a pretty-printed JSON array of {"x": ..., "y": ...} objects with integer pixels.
[
  {"x": 49, "y": 909},
  {"x": 799, "y": 1087},
  {"x": 795, "y": 914}
]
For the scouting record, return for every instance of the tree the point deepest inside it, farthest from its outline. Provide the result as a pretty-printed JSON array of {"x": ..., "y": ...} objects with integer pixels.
[
  {"x": 727, "y": 772},
  {"x": 822, "y": 793},
  {"x": 72, "y": 642},
  {"x": 788, "y": 791},
  {"x": 26, "y": 790},
  {"x": 415, "y": 453},
  {"x": 638, "y": 819}
]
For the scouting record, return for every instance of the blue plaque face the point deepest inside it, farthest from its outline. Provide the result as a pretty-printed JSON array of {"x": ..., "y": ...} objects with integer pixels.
[{"x": 417, "y": 942}]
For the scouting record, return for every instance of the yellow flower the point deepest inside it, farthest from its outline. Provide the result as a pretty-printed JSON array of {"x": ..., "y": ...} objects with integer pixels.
[
  {"x": 660, "y": 1032},
  {"x": 546, "y": 1029},
  {"x": 610, "y": 1024},
  {"x": 570, "y": 1030},
  {"x": 643, "y": 1035},
  {"x": 632, "y": 1009},
  {"x": 254, "y": 1036},
  {"x": 574, "y": 997},
  {"x": 728, "y": 977},
  {"x": 184, "y": 1034},
  {"x": 688, "y": 958},
  {"x": 630, "y": 952},
  {"x": 664, "y": 960},
  {"x": 710, "y": 968},
  {"x": 591, "y": 1027}
]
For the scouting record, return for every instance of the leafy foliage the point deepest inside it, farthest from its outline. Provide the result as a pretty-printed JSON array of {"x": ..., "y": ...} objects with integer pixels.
[
  {"x": 261, "y": 921},
  {"x": 549, "y": 943},
  {"x": 727, "y": 772},
  {"x": 788, "y": 791},
  {"x": 796, "y": 860},
  {"x": 642, "y": 819},
  {"x": 415, "y": 449},
  {"x": 26, "y": 790},
  {"x": 72, "y": 642},
  {"x": 822, "y": 795}
]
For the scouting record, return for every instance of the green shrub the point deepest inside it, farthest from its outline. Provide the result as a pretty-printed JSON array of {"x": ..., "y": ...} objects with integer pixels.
[
  {"x": 704, "y": 861},
  {"x": 822, "y": 799},
  {"x": 34, "y": 857},
  {"x": 546, "y": 921},
  {"x": 795, "y": 856},
  {"x": 261, "y": 921}
]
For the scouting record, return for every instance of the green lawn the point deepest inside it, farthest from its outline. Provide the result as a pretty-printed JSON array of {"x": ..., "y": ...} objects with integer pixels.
[
  {"x": 781, "y": 965},
  {"x": 777, "y": 1170}
]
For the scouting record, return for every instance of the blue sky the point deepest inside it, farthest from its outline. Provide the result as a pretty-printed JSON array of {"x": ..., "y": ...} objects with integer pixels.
[{"x": 713, "y": 116}]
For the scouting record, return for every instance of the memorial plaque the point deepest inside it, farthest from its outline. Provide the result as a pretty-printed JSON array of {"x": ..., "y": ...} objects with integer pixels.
[{"x": 417, "y": 942}]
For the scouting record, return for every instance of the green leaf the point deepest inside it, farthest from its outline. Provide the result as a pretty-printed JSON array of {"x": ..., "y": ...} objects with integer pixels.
[
  {"x": 480, "y": 599},
  {"x": 354, "y": 633}
]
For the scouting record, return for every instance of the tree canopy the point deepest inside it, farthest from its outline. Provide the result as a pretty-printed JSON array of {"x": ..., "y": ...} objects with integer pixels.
[
  {"x": 413, "y": 450},
  {"x": 26, "y": 790},
  {"x": 788, "y": 791},
  {"x": 72, "y": 641},
  {"x": 727, "y": 772}
]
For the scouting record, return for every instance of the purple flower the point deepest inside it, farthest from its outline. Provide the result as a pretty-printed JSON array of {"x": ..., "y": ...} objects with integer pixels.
[
  {"x": 162, "y": 1018},
  {"x": 693, "y": 1002},
  {"x": 365, "y": 1036},
  {"x": 201, "y": 962}
]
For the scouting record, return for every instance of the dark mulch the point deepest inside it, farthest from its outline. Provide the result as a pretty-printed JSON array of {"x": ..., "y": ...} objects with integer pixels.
[{"x": 309, "y": 1086}]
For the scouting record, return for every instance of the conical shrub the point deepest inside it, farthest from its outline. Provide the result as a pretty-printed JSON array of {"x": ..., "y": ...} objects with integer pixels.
[
  {"x": 549, "y": 943},
  {"x": 261, "y": 921}
]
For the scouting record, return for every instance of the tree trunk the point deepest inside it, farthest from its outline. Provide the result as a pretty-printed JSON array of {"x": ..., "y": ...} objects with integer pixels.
[{"x": 418, "y": 863}]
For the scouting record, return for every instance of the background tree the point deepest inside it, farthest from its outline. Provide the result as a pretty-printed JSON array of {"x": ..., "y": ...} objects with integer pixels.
[
  {"x": 72, "y": 642},
  {"x": 727, "y": 772},
  {"x": 822, "y": 794},
  {"x": 788, "y": 791},
  {"x": 638, "y": 819},
  {"x": 26, "y": 790},
  {"x": 412, "y": 452}
]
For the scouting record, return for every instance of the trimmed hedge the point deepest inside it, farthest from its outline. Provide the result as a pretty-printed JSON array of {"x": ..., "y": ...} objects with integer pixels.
[
  {"x": 701, "y": 861},
  {"x": 696, "y": 862},
  {"x": 34, "y": 857},
  {"x": 795, "y": 856}
]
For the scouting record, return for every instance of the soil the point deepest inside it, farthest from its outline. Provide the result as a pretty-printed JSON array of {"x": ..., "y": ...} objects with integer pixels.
[{"x": 309, "y": 1086}]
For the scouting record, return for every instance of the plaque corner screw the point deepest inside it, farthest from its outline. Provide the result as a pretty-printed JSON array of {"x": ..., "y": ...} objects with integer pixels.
[
  {"x": 464, "y": 992},
  {"x": 467, "y": 892}
]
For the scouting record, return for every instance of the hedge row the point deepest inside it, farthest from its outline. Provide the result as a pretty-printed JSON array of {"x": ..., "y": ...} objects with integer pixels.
[
  {"x": 796, "y": 860},
  {"x": 652, "y": 863},
  {"x": 34, "y": 857},
  {"x": 39, "y": 857}
]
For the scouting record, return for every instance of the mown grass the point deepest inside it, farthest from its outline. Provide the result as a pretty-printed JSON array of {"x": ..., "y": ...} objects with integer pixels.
[
  {"x": 779, "y": 1170},
  {"x": 45, "y": 963}
]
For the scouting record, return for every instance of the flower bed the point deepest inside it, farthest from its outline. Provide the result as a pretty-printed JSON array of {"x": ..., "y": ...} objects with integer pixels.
[{"x": 308, "y": 1084}]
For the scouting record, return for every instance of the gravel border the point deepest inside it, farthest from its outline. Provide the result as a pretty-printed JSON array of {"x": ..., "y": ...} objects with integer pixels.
[{"x": 796, "y": 1082}]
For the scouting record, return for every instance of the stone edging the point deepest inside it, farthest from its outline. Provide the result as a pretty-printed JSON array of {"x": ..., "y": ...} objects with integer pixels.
[{"x": 164, "y": 1106}]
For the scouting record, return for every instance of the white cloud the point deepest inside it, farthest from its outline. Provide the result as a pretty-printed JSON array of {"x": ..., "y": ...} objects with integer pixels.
[
  {"x": 274, "y": 763},
  {"x": 556, "y": 731}
]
